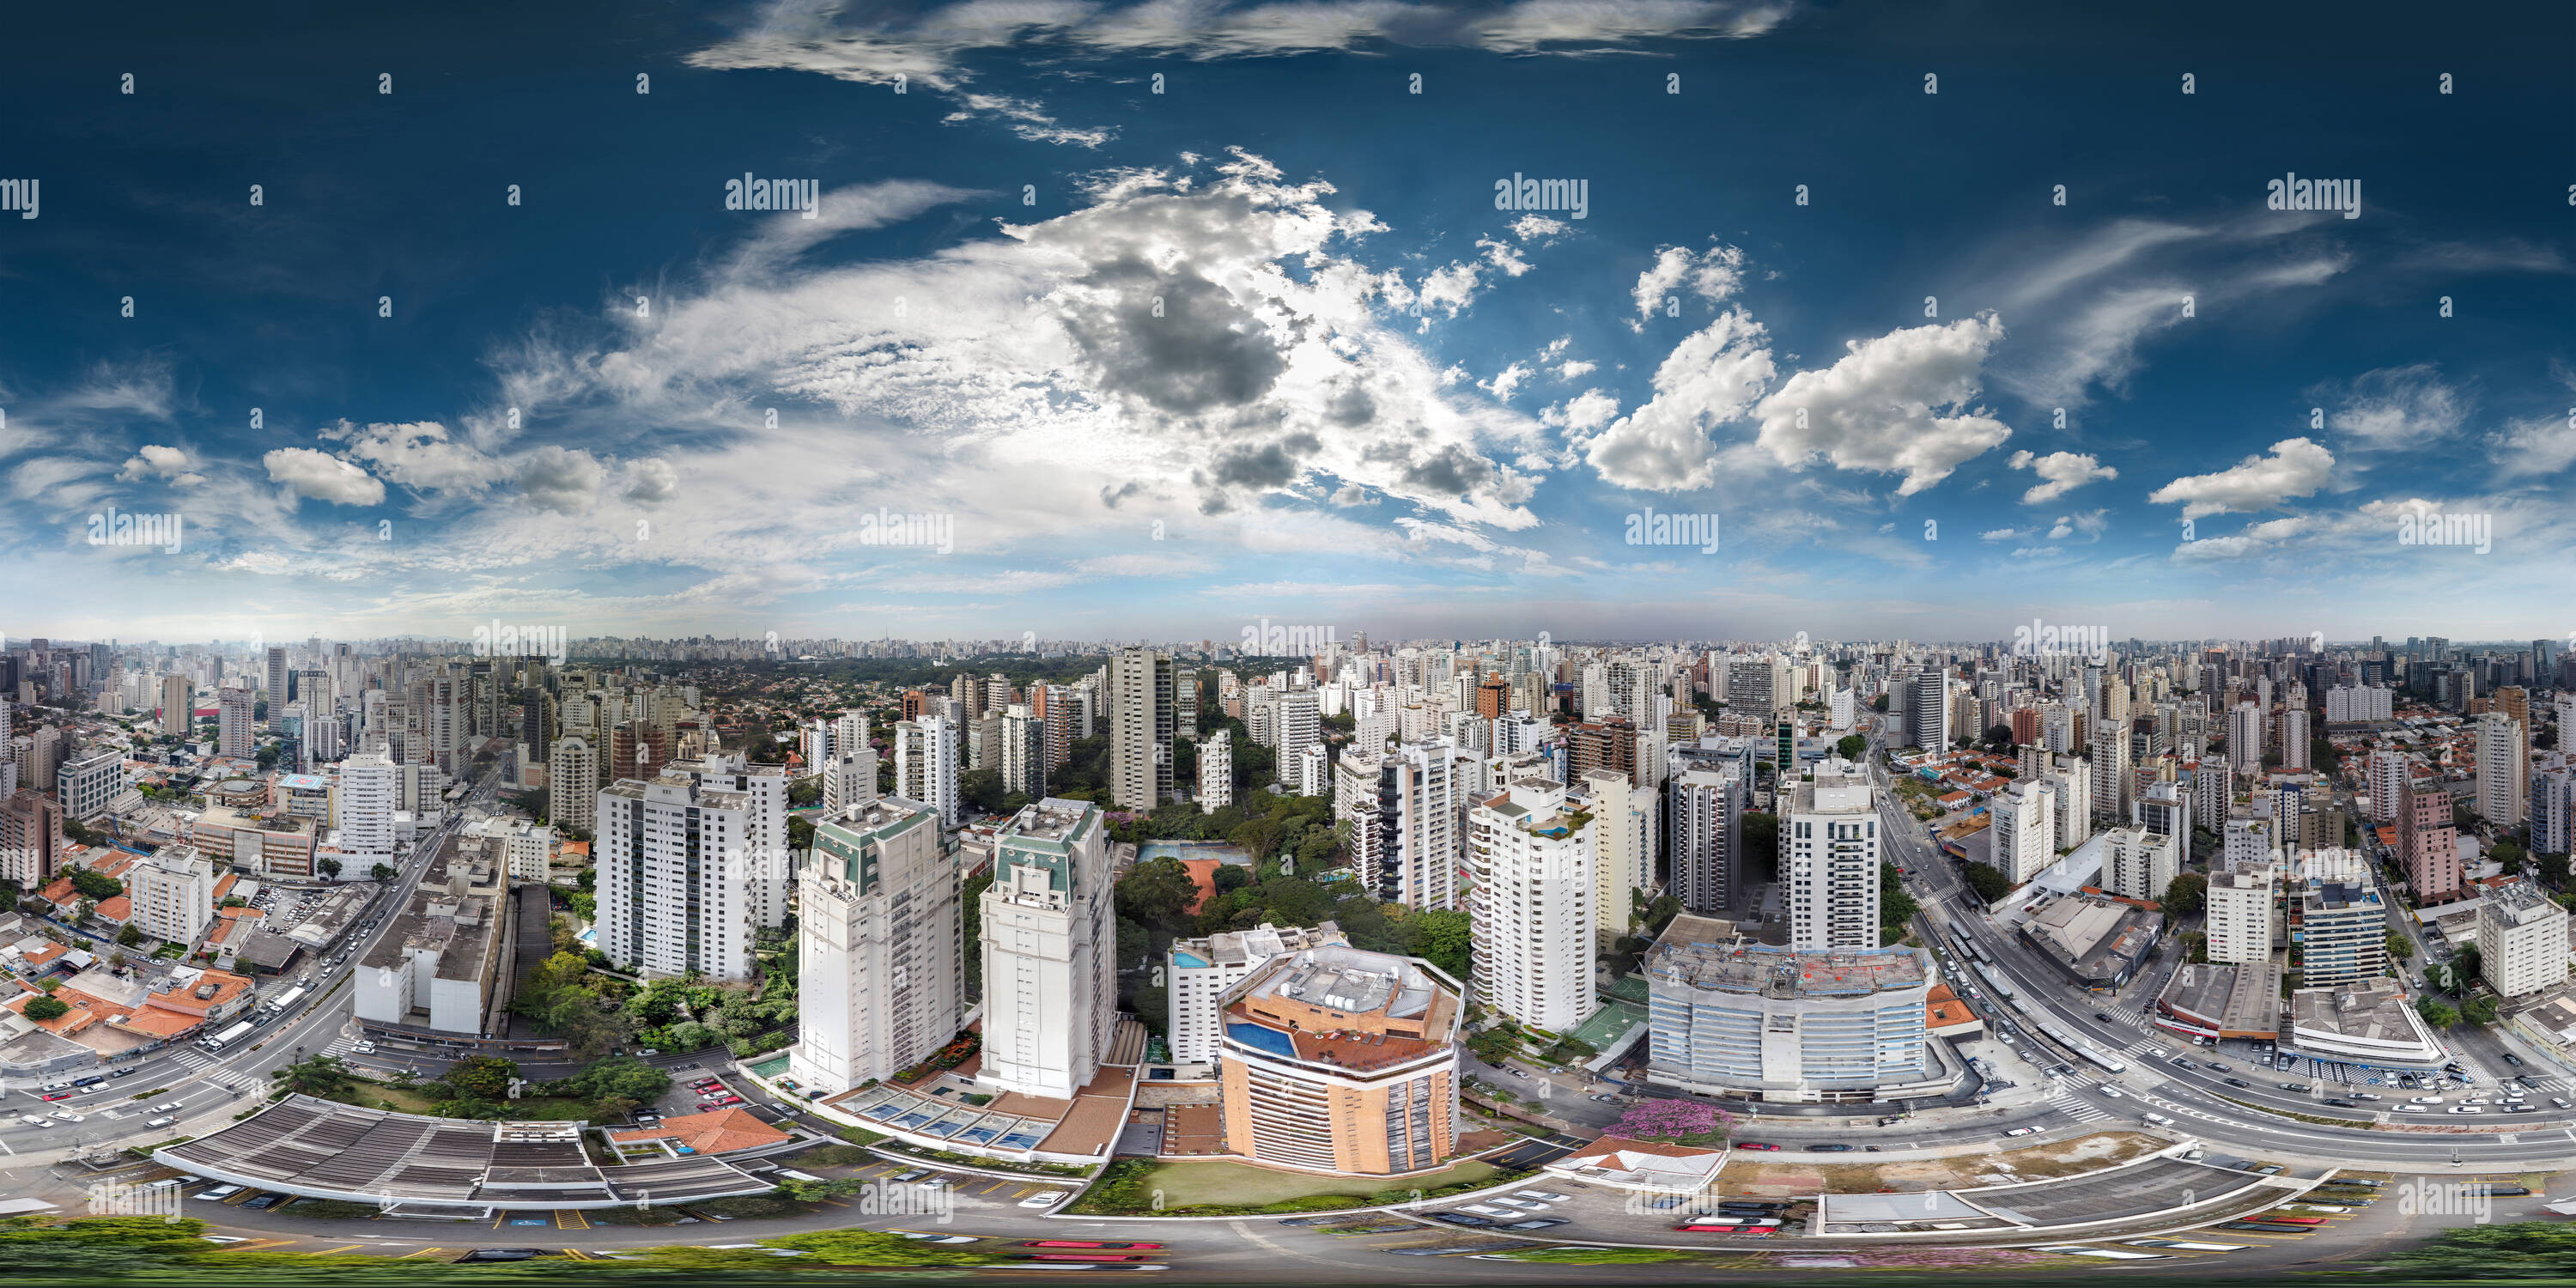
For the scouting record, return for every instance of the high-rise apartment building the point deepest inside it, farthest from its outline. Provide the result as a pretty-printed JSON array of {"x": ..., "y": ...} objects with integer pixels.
[
  {"x": 2522, "y": 939},
  {"x": 1216, "y": 771},
  {"x": 2240, "y": 913},
  {"x": 2245, "y": 737},
  {"x": 88, "y": 783},
  {"x": 233, "y": 729},
  {"x": 880, "y": 984},
  {"x": 1024, "y": 767},
  {"x": 2343, "y": 926},
  {"x": 1049, "y": 945},
  {"x": 2022, "y": 840},
  {"x": 2503, "y": 770},
  {"x": 1141, "y": 721},
  {"x": 2137, "y": 863},
  {"x": 1829, "y": 859},
  {"x": 178, "y": 705},
  {"x": 173, "y": 894},
  {"x": 673, "y": 897},
  {"x": 1531, "y": 855},
  {"x": 2294, "y": 738},
  {"x": 276, "y": 680},
  {"x": 364, "y": 798},
  {"x": 1622, "y": 815},
  {"x": 572, "y": 783},
  {"x": 2387, "y": 774},
  {"x": 2428, "y": 841},
  {"x": 2073, "y": 780},
  {"x": 1340, "y": 1060},
  {"x": 1404, "y": 806},
  {"x": 1300, "y": 726},
  {"x": 926, "y": 768},
  {"x": 31, "y": 837},
  {"x": 1708, "y": 807},
  {"x": 767, "y": 871}
]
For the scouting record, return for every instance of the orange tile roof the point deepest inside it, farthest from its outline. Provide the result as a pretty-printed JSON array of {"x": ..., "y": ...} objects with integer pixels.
[
  {"x": 224, "y": 885},
  {"x": 116, "y": 908},
  {"x": 59, "y": 893},
  {"x": 155, "y": 1022},
  {"x": 114, "y": 866},
  {"x": 708, "y": 1133},
  {"x": 228, "y": 986},
  {"x": 46, "y": 954}
]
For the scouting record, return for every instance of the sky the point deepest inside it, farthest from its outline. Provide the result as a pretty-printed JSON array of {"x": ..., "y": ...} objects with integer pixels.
[{"x": 1156, "y": 320}]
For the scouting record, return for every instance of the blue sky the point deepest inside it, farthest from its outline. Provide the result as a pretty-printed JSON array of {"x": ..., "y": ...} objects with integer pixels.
[{"x": 1261, "y": 345}]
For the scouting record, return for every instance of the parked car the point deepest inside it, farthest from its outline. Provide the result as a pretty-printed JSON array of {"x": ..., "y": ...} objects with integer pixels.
[
  {"x": 1533, "y": 1223},
  {"x": 1834, "y": 1148},
  {"x": 219, "y": 1193},
  {"x": 1040, "y": 1200},
  {"x": 1755, "y": 1144},
  {"x": 1086, "y": 1243},
  {"x": 1462, "y": 1218},
  {"x": 266, "y": 1201}
]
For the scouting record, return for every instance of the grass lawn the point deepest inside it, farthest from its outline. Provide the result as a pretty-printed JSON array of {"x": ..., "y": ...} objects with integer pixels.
[{"x": 1196, "y": 1181}]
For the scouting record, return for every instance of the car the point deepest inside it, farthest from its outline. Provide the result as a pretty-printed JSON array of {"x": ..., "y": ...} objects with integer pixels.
[
  {"x": 2319, "y": 1207},
  {"x": 122, "y": 1073},
  {"x": 1531, "y": 1205},
  {"x": 1086, "y": 1243},
  {"x": 1533, "y": 1223},
  {"x": 2023, "y": 1131},
  {"x": 266, "y": 1201},
  {"x": 2464, "y": 1109},
  {"x": 166, "y": 1107},
  {"x": 928, "y": 1236},
  {"x": 1543, "y": 1196},
  {"x": 56, "y": 1095},
  {"x": 2268, "y": 1169},
  {"x": 1722, "y": 1229},
  {"x": 219, "y": 1193},
  {"x": 1755, "y": 1144},
  {"x": 2216, "y": 1065},
  {"x": 2300, "y": 1087},
  {"x": 163, "y": 1121},
  {"x": 2293, "y": 1220},
  {"x": 1041, "y": 1200},
  {"x": 1488, "y": 1209},
  {"x": 2109, "y": 1090},
  {"x": 2341, "y": 1103},
  {"x": 68, "y": 1116},
  {"x": 727, "y": 1102},
  {"x": 937, "y": 1182},
  {"x": 2364, "y": 1095},
  {"x": 2427, "y": 1100},
  {"x": 909, "y": 1174},
  {"x": 2236, "y": 1082},
  {"x": 33, "y": 1121},
  {"x": 1462, "y": 1218},
  {"x": 2512, "y": 1059},
  {"x": 1833, "y": 1148},
  {"x": 2413, "y": 1109},
  {"x": 2180, "y": 1063}
]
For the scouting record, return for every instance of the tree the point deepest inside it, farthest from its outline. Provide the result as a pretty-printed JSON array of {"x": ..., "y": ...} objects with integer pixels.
[
  {"x": 2400, "y": 947},
  {"x": 1852, "y": 746},
  {"x": 41, "y": 1007},
  {"x": 485, "y": 1077},
  {"x": 1988, "y": 881},
  {"x": 382, "y": 872},
  {"x": 1761, "y": 845},
  {"x": 131, "y": 935},
  {"x": 330, "y": 868},
  {"x": 1999, "y": 738},
  {"x": 1157, "y": 893},
  {"x": 2480, "y": 1011},
  {"x": 2465, "y": 967},
  {"x": 1230, "y": 878},
  {"x": 2185, "y": 895},
  {"x": 96, "y": 885},
  {"x": 319, "y": 1075},
  {"x": 1895, "y": 906},
  {"x": 1446, "y": 939},
  {"x": 620, "y": 1077},
  {"x": 2437, "y": 1014}
]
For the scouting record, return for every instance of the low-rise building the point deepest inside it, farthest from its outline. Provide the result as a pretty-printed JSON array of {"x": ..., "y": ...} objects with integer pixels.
[
  {"x": 2222, "y": 1001},
  {"x": 2366, "y": 1022},
  {"x": 1727, "y": 1016},
  {"x": 1204, "y": 969},
  {"x": 2096, "y": 943},
  {"x": 1340, "y": 1060},
  {"x": 443, "y": 963}
]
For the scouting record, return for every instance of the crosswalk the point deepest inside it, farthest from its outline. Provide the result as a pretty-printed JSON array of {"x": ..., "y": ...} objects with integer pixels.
[
  {"x": 2085, "y": 1112},
  {"x": 203, "y": 1066}
]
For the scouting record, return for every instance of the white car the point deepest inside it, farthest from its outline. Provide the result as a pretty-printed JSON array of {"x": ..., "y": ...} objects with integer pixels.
[
  {"x": 1530, "y": 1204},
  {"x": 2112, "y": 1092},
  {"x": 1542, "y": 1195},
  {"x": 2426, "y": 1100},
  {"x": 2413, "y": 1109},
  {"x": 33, "y": 1121},
  {"x": 1040, "y": 1200},
  {"x": 925, "y": 1236},
  {"x": 68, "y": 1116},
  {"x": 1488, "y": 1209},
  {"x": 2464, "y": 1109}
]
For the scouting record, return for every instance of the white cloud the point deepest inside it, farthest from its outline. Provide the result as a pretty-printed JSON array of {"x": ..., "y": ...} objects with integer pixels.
[
  {"x": 564, "y": 480},
  {"x": 1998, "y": 534},
  {"x": 419, "y": 455},
  {"x": 2394, "y": 407},
  {"x": 1588, "y": 410},
  {"x": 1895, "y": 404},
  {"x": 1713, "y": 275},
  {"x": 1710, "y": 378},
  {"x": 2061, "y": 472},
  {"x": 2533, "y": 446},
  {"x": 1576, "y": 370},
  {"x": 154, "y": 461},
  {"x": 1505, "y": 382},
  {"x": 2295, "y": 467},
  {"x": 322, "y": 476}
]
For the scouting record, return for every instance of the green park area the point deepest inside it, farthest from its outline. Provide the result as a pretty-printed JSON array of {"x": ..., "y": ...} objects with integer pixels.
[{"x": 1215, "y": 1187}]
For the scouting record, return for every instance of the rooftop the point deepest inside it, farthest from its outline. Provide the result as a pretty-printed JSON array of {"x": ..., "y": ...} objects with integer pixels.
[{"x": 1696, "y": 952}]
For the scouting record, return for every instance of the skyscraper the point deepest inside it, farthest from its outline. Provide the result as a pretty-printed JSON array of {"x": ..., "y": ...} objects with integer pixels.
[
  {"x": 1622, "y": 813},
  {"x": 1708, "y": 837},
  {"x": 363, "y": 802},
  {"x": 233, "y": 709},
  {"x": 1024, "y": 767},
  {"x": 926, "y": 768},
  {"x": 1531, "y": 854},
  {"x": 2245, "y": 736},
  {"x": 880, "y": 985},
  {"x": 1216, "y": 772},
  {"x": 1049, "y": 945},
  {"x": 276, "y": 682},
  {"x": 2387, "y": 783},
  {"x": 2504, "y": 770},
  {"x": 1140, "y": 728},
  {"x": 672, "y": 897},
  {"x": 572, "y": 783},
  {"x": 2022, "y": 841},
  {"x": 178, "y": 702},
  {"x": 1829, "y": 859}
]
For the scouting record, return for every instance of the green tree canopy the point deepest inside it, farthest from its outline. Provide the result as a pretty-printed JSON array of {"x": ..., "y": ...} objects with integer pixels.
[{"x": 2186, "y": 894}]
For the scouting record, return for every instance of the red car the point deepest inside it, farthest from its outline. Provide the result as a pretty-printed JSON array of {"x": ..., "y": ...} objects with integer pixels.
[
  {"x": 1725, "y": 1229},
  {"x": 59, "y": 1095},
  {"x": 1083, "y": 1243},
  {"x": 1755, "y": 1144},
  {"x": 2293, "y": 1220},
  {"x": 1083, "y": 1256},
  {"x": 729, "y": 1100}
]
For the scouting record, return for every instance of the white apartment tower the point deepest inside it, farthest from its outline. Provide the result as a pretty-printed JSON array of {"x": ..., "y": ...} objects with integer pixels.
[
  {"x": 2245, "y": 736},
  {"x": 1532, "y": 905},
  {"x": 1216, "y": 771},
  {"x": 1141, "y": 716},
  {"x": 1829, "y": 859},
  {"x": 2022, "y": 840},
  {"x": 173, "y": 893},
  {"x": 233, "y": 708},
  {"x": 925, "y": 766},
  {"x": 1299, "y": 727},
  {"x": 363, "y": 802},
  {"x": 1024, "y": 767},
  {"x": 2074, "y": 782},
  {"x": 2388, "y": 774},
  {"x": 766, "y": 874},
  {"x": 572, "y": 783},
  {"x": 2137, "y": 863},
  {"x": 1049, "y": 943},
  {"x": 1621, "y": 814},
  {"x": 672, "y": 897},
  {"x": 2240, "y": 913},
  {"x": 2504, "y": 770},
  {"x": 2522, "y": 939},
  {"x": 880, "y": 984}
]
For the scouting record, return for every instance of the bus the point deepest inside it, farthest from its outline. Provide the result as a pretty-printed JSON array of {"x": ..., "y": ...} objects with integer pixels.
[
  {"x": 226, "y": 1038},
  {"x": 2111, "y": 1062},
  {"x": 1995, "y": 980},
  {"x": 2058, "y": 1037}
]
